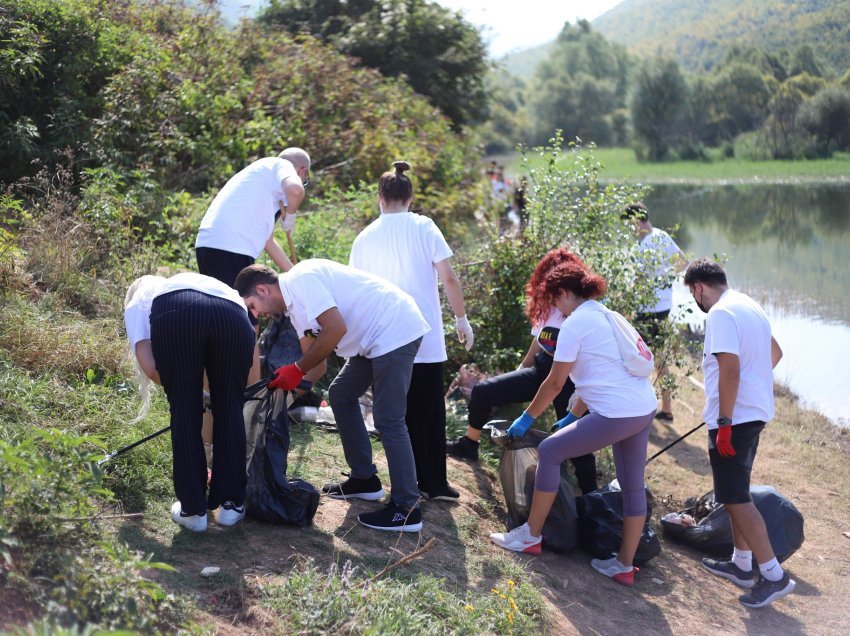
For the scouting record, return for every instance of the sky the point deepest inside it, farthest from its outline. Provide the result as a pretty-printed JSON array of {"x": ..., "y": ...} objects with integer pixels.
[{"x": 508, "y": 26}]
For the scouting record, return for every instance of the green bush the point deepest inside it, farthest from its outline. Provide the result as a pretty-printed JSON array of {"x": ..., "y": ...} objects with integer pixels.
[{"x": 50, "y": 497}]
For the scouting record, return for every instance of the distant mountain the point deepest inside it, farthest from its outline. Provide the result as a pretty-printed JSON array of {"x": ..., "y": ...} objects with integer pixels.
[
  {"x": 523, "y": 63},
  {"x": 698, "y": 32}
]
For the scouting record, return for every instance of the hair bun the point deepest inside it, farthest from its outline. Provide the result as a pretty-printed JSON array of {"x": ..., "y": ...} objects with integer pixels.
[{"x": 401, "y": 166}]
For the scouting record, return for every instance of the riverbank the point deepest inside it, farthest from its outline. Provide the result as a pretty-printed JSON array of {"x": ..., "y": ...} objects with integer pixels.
[
  {"x": 621, "y": 164},
  {"x": 337, "y": 576}
]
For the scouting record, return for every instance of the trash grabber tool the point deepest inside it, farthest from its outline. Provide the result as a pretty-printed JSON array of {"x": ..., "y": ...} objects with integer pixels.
[{"x": 676, "y": 441}]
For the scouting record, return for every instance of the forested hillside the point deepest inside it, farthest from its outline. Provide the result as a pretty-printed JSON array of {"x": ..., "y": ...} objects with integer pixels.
[{"x": 697, "y": 33}]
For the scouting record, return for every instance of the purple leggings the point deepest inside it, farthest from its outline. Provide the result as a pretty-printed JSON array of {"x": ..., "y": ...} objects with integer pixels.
[{"x": 628, "y": 437}]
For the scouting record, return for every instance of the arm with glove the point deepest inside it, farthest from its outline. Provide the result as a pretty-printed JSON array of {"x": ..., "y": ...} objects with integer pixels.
[
  {"x": 727, "y": 387},
  {"x": 454, "y": 292},
  {"x": 313, "y": 362},
  {"x": 548, "y": 391}
]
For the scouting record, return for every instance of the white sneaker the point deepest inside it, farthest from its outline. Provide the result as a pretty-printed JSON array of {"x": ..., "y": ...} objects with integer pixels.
[
  {"x": 230, "y": 514},
  {"x": 195, "y": 523},
  {"x": 519, "y": 540}
]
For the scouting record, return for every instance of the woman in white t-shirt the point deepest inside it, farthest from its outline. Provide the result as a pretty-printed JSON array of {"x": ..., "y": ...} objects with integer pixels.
[
  {"x": 409, "y": 250},
  {"x": 179, "y": 328},
  {"x": 522, "y": 384},
  {"x": 621, "y": 409}
]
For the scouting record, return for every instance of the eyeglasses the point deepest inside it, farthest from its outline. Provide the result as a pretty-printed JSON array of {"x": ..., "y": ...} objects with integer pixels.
[{"x": 306, "y": 182}]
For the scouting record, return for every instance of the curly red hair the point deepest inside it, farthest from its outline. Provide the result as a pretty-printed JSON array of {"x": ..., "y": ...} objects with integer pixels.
[
  {"x": 538, "y": 302},
  {"x": 577, "y": 278}
]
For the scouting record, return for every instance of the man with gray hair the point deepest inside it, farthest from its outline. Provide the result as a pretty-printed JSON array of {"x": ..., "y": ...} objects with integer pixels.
[{"x": 239, "y": 223}]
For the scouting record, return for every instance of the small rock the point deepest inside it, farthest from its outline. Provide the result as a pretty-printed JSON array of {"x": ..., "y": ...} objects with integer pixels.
[
  {"x": 210, "y": 570},
  {"x": 846, "y": 534},
  {"x": 658, "y": 581}
]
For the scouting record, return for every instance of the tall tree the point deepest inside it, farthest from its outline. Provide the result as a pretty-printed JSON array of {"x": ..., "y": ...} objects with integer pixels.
[
  {"x": 658, "y": 105},
  {"x": 579, "y": 87},
  {"x": 441, "y": 55}
]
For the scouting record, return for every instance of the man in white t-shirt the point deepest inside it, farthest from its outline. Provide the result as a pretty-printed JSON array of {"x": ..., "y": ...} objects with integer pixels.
[
  {"x": 738, "y": 360},
  {"x": 378, "y": 328},
  {"x": 663, "y": 259},
  {"x": 239, "y": 224}
]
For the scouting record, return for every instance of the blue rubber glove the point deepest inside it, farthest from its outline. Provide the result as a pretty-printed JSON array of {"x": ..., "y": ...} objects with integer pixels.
[
  {"x": 565, "y": 421},
  {"x": 521, "y": 425}
]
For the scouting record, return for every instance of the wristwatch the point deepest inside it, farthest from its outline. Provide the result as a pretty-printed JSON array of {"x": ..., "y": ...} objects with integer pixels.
[{"x": 724, "y": 421}]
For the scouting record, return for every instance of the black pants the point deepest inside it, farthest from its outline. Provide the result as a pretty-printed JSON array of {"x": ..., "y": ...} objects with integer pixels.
[
  {"x": 426, "y": 425},
  {"x": 191, "y": 332},
  {"x": 521, "y": 386},
  {"x": 224, "y": 266}
]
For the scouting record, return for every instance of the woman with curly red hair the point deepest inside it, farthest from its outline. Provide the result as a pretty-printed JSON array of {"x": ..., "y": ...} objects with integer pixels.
[
  {"x": 521, "y": 385},
  {"x": 621, "y": 408}
]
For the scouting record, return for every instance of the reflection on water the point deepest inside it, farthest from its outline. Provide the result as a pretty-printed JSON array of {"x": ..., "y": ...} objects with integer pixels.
[{"x": 789, "y": 248}]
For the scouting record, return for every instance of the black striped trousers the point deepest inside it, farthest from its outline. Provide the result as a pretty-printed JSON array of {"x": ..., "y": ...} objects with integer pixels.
[{"x": 192, "y": 332}]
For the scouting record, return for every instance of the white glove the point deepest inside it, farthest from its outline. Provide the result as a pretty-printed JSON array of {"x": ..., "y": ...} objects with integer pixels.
[
  {"x": 464, "y": 331},
  {"x": 287, "y": 222}
]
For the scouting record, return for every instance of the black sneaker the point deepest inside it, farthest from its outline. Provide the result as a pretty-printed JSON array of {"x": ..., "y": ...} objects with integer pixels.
[
  {"x": 444, "y": 493},
  {"x": 354, "y": 488},
  {"x": 393, "y": 518},
  {"x": 730, "y": 572},
  {"x": 463, "y": 448},
  {"x": 765, "y": 592}
]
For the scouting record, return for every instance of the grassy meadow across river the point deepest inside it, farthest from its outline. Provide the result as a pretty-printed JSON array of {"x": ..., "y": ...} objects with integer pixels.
[{"x": 621, "y": 164}]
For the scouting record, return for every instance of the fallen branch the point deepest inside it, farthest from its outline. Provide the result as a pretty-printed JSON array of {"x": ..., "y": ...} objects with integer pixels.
[
  {"x": 98, "y": 517},
  {"x": 405, "y": 559}
]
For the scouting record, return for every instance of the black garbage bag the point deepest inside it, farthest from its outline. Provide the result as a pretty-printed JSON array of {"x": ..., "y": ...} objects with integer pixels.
[
  {"x": 278, "y": 344},
  {"x": 600, "y": 525},
  {"x": 269, "y": 495},
  {"x": 517, "y": 471},
  {"x": 713, "y": 533}
]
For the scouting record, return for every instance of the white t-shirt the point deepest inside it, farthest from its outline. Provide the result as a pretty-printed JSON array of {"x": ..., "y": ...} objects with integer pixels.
[
  {"x": 547, "y": 333},
  {"x": 659, "y": 241},
  {"x": 241, "y": 217},
  {"x": 379, "y": 317},
  {"x": 403, "y": 248},
  {"x": 601, "y": 379},
  {"x": 137, "y": 315},
  {"x": 737, "y": 324}
]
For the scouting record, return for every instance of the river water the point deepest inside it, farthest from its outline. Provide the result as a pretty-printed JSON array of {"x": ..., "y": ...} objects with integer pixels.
[{"x": 789, "y": 248}]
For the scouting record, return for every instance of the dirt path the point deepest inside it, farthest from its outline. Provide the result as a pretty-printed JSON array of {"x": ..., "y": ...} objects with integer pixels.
[{"x": 801, "y": 455}]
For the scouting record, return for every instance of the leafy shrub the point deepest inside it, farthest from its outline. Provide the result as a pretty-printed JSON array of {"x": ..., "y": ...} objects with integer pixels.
[
  {"x": 567, "y": 207},
  {"x": 50, "y": 495}
]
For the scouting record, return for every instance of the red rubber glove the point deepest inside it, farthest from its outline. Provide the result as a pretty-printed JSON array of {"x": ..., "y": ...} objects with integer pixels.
[
  {"x": 286, "y": 378},
  {"x": 724, "y": 441}
]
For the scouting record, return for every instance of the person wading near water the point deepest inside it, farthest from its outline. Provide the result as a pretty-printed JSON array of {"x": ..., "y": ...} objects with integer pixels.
[
  {"x": 409, "y": 250},
  {"x": 650, "y": 319},
  {"x": 179, "y": 327},
  {"x": 739, "y": 356},
  {"x": 378, "y": 328}
]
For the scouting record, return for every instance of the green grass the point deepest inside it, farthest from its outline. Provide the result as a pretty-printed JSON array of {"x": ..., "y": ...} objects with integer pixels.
[
  {"x": 273, "y": 579},
  {"x": 620, "y": 164}
]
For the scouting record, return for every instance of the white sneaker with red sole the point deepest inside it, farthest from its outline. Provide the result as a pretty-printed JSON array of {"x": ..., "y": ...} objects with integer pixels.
[
  {"x": 612, "y": 568},
  {"x": 519, "y": 540}
]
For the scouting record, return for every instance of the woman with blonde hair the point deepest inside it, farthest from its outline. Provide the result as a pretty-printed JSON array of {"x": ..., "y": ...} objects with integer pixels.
[{"x": 178, "y": 328}]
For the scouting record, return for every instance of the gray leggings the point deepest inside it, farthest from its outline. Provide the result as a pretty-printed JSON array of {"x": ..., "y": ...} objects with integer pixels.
[{"x": 627, "y": 437}]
